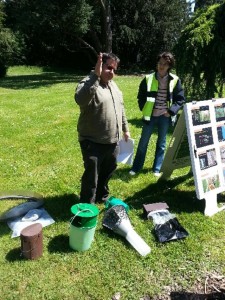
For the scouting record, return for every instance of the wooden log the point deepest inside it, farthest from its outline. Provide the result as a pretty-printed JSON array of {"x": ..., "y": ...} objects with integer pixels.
[{"x": 32, "y": 241}]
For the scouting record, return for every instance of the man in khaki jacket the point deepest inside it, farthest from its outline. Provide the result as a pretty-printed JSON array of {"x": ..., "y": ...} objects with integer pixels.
[{"x": 102, "y": 120}]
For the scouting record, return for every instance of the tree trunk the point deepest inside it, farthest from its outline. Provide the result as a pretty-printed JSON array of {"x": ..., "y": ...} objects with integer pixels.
[
  {"x": 108, "y": 28},
  {"x": 106, "y": 25}
]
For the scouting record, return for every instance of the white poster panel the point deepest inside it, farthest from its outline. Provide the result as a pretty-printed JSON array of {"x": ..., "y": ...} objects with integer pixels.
[{"x": 205, "y": 122}]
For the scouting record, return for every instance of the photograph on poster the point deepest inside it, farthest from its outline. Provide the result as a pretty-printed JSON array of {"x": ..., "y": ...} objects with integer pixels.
[
  {"x": 211, "y": 183},
  {"x": 207, "y": 159},
  {"x": 220, "y": 112},
  {"x": 221, "y": 132},
  {"x": 222, "y": 154},
  {"x": 200, "y": 115},
  {"x": 204, "y": 137}
]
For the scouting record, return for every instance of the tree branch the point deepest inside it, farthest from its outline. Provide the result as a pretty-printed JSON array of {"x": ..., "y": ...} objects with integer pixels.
[
  {"x": 102, "y": 3},
  {"x": 87, "y": 45}
]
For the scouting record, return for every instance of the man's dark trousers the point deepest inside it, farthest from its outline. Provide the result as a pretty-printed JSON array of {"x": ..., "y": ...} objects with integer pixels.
[{"x": 99, "y": 165}]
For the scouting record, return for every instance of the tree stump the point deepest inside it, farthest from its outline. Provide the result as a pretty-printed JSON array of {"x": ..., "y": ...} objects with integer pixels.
[{"x": 32, "y": 241}]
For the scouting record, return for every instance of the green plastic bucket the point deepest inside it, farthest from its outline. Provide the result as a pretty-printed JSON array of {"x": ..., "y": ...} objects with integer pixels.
[
  {"x": 112, "y": 201},
  {"x": 82, "y": 226}
]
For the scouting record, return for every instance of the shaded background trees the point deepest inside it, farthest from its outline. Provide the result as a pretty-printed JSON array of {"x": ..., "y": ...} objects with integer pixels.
[
  {"x": 201, "y": 53},
  {"x": 72, "y": 32},
  {"x": 50, "y": 29},
  {"x": 142, "y": 28},
  {"x": 11, "y": 44},
  {"x": 205, "y": 3}
]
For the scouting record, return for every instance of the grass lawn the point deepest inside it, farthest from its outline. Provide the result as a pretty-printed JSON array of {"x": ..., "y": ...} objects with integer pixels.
[{"x": 40, "y": 153}]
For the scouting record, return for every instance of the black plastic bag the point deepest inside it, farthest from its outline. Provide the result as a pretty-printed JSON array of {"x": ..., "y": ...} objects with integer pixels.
[
  {"x": 167, "y": 227},
  {"x": 170, "y": 230}
]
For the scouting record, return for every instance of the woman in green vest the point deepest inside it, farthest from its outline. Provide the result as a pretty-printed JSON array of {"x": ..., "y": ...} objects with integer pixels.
[{"x": 160, "y": 97}]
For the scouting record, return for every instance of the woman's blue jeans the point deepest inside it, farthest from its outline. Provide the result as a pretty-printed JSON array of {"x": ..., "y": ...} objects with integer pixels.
[{"x": 162, "y": 123}]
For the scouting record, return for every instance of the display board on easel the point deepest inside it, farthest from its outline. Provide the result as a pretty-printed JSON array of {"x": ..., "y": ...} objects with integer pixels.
[
  {"x": 205, "y": 122},
  {"x": 199, "y": 141}
]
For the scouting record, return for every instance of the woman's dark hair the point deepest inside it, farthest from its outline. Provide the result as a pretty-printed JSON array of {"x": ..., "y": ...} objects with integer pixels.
[
  {"x": 169, "y": 58},
  {"x": 106, "y": 56}
]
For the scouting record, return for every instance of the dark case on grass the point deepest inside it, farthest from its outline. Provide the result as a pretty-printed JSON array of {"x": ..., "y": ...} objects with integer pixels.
[{"x": 147, "y": 208}]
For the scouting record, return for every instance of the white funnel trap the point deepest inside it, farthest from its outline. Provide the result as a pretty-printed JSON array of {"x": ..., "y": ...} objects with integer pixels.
[{"x": 116, "y": 219}]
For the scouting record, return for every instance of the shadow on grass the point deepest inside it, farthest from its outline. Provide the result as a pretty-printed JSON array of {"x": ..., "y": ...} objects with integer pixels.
[
  {"x": 166, "y": 191},
  {"x": 14, "y": 255},
  {"x": 136, "y": 122},
  {"x": 193, "y": 296},
  {"x": 60, "y": 244},
  {"x": 4, "y": 229},
  {"x": 59, "y": 206},
  {"x": 39, "y": 80},
  {"x": 122, "y": 174}
]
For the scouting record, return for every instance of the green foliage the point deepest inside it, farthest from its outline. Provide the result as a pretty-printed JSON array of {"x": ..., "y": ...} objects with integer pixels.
[
  {"x": 146, "y": 28},
  {"x": 58, "y": 31},
  {"x": 48, "y": 26},
  {"x": 201, "y": 29},
  {"x": 204, "y": 3},
  {"x": 77, "y": 17},
  {"x": 201, "y": 53},
  {"x": 10, "y": 45},
  {"x": 2, "y": 14},
  {"x": 40, "y": 152}
]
